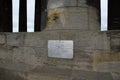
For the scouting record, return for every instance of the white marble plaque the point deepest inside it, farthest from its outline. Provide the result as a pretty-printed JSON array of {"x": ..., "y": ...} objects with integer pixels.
[{"x": 60, "y": 48}]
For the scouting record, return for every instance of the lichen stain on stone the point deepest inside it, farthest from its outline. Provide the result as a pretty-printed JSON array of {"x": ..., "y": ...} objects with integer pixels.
[{"x": 54, "y": 15}]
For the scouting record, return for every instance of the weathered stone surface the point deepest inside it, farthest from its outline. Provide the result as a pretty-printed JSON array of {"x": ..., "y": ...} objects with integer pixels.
[
  {"x": 102, "y": 41},
  {"x": 59, "y": 63},
  {"x": 66, "y": 3},
  {"x": 53, "y": 71},
  {"x": 16, "y": 39},
  {"x": 40, "y": 39},
  {"x": 61, "y": 3},
  {"x": 67, "y": 18},
  {"x": 77, "y": 15},
  {"x": 6, "y": 74},
  {"x": 82, "y": 39},
  {"x": 85, "y": 39},
  {"x": 83, "y": 60},
  {"x": 5, "y": 54},
  {"x": 90, "y": 75},
  {"x": 115, "y": 41},
  {"x": 16, "y": 66},
  {"x": 94, "y": 21},
  {"x": 2, "y": 39},
  {"x": 25, "y": 55},
  {"x": 108, "y": 67},
  {"x": 82, "y": 3},
  {"x": 40, "y": 55},
  {"x": 72, "y": 21},
  {"x": 46, "y": 77},
  {"x": 70, "y": 35},
  {"x": 116, "y": 76}
]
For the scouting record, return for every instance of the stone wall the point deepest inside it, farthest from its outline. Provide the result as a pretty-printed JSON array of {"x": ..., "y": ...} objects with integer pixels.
[{"x": 95, "y": 54}]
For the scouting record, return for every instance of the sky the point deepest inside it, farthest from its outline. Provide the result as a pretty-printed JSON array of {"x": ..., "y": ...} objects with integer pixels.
[
  {"x": 31, "y": 10},
  {"x": 104, "y": 16},
  {"x": 30, "y": 15}
]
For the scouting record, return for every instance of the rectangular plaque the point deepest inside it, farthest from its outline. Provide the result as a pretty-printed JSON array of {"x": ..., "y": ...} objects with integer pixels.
[{"x": 60, "y": 48}]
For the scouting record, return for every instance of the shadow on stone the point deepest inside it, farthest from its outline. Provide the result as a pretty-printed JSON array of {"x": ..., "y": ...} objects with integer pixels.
[{"x": 9, "y": 75}]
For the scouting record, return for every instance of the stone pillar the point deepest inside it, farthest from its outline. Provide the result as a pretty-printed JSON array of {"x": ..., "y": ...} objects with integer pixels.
[
  {"x": 23, "y": 16},
  {"x": 113, "y": 15},
  {"x": 40, "y": 14},
  {"x": 5, "y": 15}
]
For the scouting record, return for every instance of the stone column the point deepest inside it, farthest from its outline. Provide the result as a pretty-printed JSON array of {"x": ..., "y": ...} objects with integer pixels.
[
  {"x": 23, "y": 16},
  {"x": 5, "y": 15},
  {"x": 113, "y": 15},
  {"x": 40, "y": 14}
]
